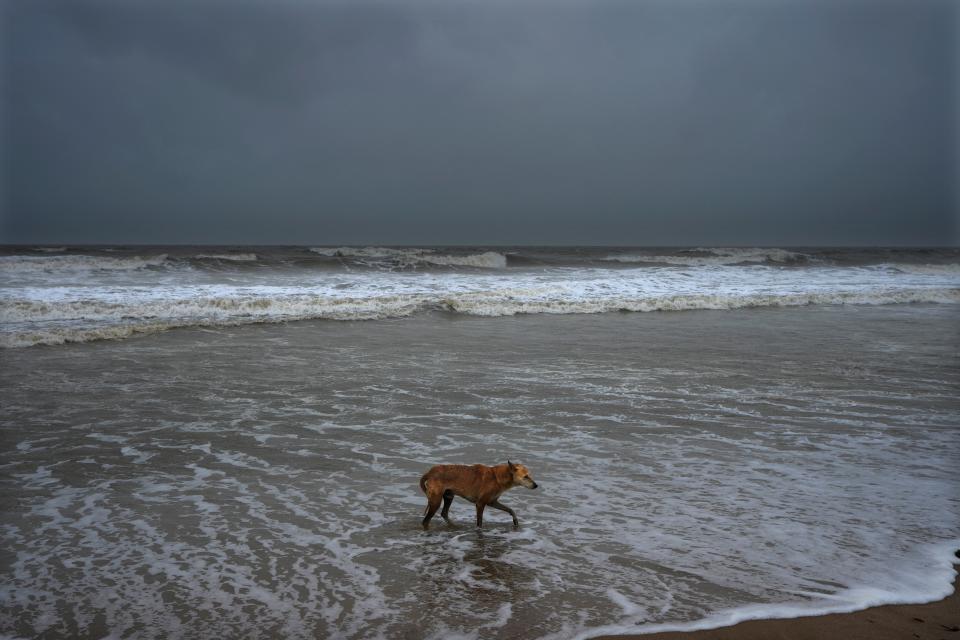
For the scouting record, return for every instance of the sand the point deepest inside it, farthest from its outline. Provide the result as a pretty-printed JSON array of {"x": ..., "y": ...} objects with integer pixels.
[{"x": 934, "y": 621}]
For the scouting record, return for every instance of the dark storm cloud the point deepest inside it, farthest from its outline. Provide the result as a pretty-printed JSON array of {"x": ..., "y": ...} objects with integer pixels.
[
  {"x": 609, "y": 122},
  {"x": 280, "y": 54}
]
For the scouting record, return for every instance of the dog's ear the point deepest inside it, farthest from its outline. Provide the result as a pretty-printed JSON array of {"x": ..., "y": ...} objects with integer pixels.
[{"x": 510, "y": 465}]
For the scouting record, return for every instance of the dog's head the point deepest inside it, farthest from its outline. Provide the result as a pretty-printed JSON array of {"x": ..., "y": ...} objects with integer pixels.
[{"x": 521, "y": 475}]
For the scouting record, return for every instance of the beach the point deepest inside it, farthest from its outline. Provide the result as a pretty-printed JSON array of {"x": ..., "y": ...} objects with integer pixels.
[
  {"x": 776, "y": 435},
  {"x": 932, "y": 621}
]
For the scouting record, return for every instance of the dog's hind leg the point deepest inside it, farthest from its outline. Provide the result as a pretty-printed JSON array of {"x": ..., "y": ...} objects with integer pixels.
[
  {"x": 447, "y": 501},
  {"x": 480, "y": 506},
  {"x": 433, "y": 503},
  {"x": 497, "y": 505}
]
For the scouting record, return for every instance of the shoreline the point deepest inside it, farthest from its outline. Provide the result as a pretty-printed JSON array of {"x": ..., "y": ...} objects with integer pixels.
[{"x": 939, "y": 620}]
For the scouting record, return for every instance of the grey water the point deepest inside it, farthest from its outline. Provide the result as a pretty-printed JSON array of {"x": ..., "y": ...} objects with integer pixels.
[{"x": 261, "y": 480}]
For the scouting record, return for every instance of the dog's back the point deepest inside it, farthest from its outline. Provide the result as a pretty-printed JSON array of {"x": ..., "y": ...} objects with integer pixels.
[{"x": 470, "y": 481}]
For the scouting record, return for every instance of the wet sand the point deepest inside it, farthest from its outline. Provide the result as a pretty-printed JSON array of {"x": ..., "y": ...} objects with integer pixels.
[{"x": 934, "y": 621}]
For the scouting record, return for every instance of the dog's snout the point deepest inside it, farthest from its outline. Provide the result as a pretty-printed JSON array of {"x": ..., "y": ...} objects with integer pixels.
[{"x": 535, "y": 485}]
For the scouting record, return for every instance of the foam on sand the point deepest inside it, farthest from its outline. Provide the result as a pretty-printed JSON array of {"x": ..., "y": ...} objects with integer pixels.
[{"x": 931, "y": 580}]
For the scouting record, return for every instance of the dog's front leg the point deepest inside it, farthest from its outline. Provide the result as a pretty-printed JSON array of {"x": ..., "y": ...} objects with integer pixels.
[
  {"x": 496, "y": 504},
  {"x": 480, "y": 507}
]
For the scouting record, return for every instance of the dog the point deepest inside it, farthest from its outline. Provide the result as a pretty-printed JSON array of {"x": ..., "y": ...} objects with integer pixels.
[{"x": 478, "y": 483}]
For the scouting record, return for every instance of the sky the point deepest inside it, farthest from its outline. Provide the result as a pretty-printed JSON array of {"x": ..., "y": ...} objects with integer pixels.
[{"x": 624, "y": 122}]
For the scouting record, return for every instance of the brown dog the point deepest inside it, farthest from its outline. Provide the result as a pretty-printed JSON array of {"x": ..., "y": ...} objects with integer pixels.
[{"x": 478, "y": 483}]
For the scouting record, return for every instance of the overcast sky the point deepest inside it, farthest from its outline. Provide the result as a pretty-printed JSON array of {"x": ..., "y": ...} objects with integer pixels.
[{"x": 771, "y": 122}]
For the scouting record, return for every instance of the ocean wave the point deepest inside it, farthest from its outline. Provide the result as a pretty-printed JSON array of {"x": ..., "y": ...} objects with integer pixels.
[
  {"x": 214, "y": 309},
  {"x": 714, "y": 256},
  {"x": 26, "y": 266},
  {"x": 19, "y": 264},
  {"x": 485, "y": 260},
  {"x": 494, "y": 304},
  {"x": 33, "y": 322},
  {"x": 364, "y": 252},
  {"x": 230, "y": 257},
  {"x": 413, "y": 257}
]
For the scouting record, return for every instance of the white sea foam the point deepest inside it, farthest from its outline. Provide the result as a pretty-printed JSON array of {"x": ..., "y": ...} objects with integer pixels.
[
  {"x": 926, "y": 269},
  {"x": 217, "y": 310},
  {"x": 139, "y": 457}
]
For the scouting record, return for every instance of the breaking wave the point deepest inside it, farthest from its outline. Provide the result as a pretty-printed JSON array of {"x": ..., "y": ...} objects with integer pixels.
[
  {"x": 20, "y": 264},
  {"x": 486, "y": 260},
  {"x": 41, "y": 261},
  {"x": 714, "y": 256},
  {"x": 77, "y": 297},
  {"x": 230, "y": 257},
  {"x": 364, "y": 252},
  {"x": 54, "y": 264},
  {"x": 42, "y": 322},
  {"x": 412, "y": 257},
  {"x": 484, "y": 304}
]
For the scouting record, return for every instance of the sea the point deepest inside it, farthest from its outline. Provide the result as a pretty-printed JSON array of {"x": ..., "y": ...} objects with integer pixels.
[{"x": 226, "y": 442}]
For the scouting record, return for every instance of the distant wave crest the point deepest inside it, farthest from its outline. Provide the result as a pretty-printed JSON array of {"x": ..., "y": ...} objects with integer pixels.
[
  {"x": 230, "y": 257},
  {"x": 412, "y": 257},
  {"x": 20, "y": 264},
  {"x": 714, "y": 256},
  {"x": 25, "y": 265}
]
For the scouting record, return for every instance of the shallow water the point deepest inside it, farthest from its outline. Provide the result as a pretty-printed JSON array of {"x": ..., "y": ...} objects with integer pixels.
[{"x": 203, "y": 483}]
